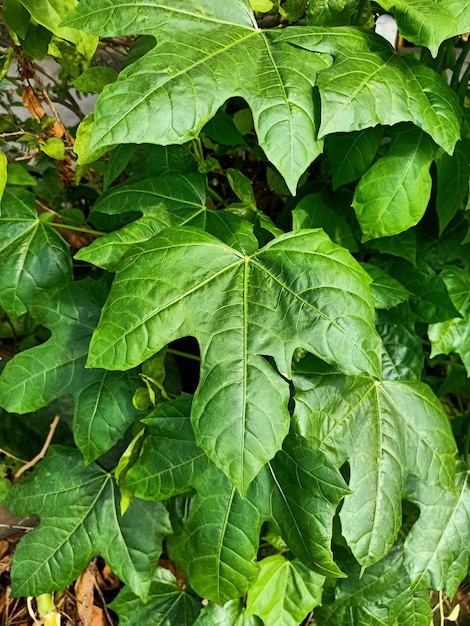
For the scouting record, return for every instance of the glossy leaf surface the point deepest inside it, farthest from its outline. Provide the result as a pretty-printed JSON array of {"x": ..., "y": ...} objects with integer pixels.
[
  {"x": 36, "y": 377},
  {"x": 188, "y": 79},
  {"x": 54, "y": 554},
  {"x": 384, "y": 432},
  {"x": 253, "y": 305},
  {"x": 33, "y": 255}
]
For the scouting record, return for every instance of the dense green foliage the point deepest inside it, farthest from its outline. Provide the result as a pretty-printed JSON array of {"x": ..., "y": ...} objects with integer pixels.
[{"x": 249, "y": 270}]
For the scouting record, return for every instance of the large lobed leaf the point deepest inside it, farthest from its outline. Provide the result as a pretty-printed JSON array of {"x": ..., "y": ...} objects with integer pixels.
[
  {"x": 385, "y": 431},
  {"x": 32, "y": 253},
  {"x": 239, "y": 308},
  {"x": 299, "y": 490},
  {"x": 35, "y": 377},
  {"x": 206, "y": 53},
  {"x": 78, "y": 507},
  {"x": 370, "y": 84}
]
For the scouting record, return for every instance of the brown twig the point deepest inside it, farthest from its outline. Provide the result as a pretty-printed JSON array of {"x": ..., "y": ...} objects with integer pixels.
[{"x": 42, "y": 453}]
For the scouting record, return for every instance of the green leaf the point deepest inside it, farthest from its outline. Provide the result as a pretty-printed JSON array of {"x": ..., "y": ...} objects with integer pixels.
[
  {"x": 453, "y": 335},
  {"x": 351, "y": 154},
  {"x": 18, "y": 175},
  {"x": 319, "y": 210},
  {"x": 402, "y": 356},
  {"x": 284, "y": 592},
  {"x": 393, "y": 194},
  {"x": 436, "y": 550},
  {"x": 293, "y": 10},
  {"x": 430, "y": 301},
  {"x": 36, "y": 377},
  {"x": 403, "y": 246},
  {"x": 169, "y": 200},
  {"x": 219, "y": 542},
  {"x": 52, "y": 13},
  {"x": 169, "y": 460},
  {"x": 54, "y": 148},
  {"x": 453, "y": 175},
  {"x": 78, "y": 507},
  {"x": 33, "y": 255},
  {"x": 167, "y": 604},
  {"x": 461, "y": 11},
  {"x": 386, "y": 291},
  {"x": 385, "y": 431},
  {"x": 95, "y": 79},
  {"x": 231, "y": 614},
  {"x": 369, "y": 84},
  {"x": 253, "y": 305},
  {"x": 382, "y": 595},
  {"x": 305, "y": 490},
  {"x": 339, "y": 13},
  {"x": 205, "y": 54},
  {"x": 424, "y": 22}
]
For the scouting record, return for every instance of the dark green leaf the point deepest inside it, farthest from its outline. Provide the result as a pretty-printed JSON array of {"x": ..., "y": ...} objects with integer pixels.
[
  {"x": 219, "y": 542},
  {"x": 351, "y": 154},
  {"x": 94, "y": 79},
  {"x": 453, "y": 173},
  {"x": 167, "y": 604},
  {"x": 393, "y": 194},
  {"x": 403, "y": 356},
  {"x": 386, "y": 291},
  {"x": 382, "y": 595},
  {"x": 36, "y": 377},
  {"x": 240, "y": 408},
  {"x": 339, "y": 13},
  {"x": 385, "y": 431},
  {"x": 436, "y": 550},
  {"x": 205, "y": 54},
  {"x": 453, "y": 335},
  {"x": 285, "y": 592},
  {"x": 78, "y": 507},
  {"x": 33, "y": 255}
]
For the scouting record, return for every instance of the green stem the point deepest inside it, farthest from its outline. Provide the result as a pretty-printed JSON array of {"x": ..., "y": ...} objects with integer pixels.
[
  {"x": 80, "y": 229},
  {"x": 186, "y": 355},
  {"x": 215, "y": 196},
  {"x": 463, "y": 86},
  {"x": 48, "y": 610},
  {"x": 459, "y": 64}
]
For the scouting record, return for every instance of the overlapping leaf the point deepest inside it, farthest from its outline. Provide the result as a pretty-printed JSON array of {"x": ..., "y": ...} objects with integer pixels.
[
  {"x": 382, "y": 595},
  {"x": 168, "y": 201},
  {"x": 36, "y": 377},
  {"x": 205, "y": 54},
  {"x": 167, "y": 603},
  {"x": 369, "y": 84},
  {"x": 285, "y": 592},
  {"x": 351, "y": 154},
  {"x": 79, "y": 515},
  {"x": 394, "y": 193},
  {"x": 33, "y": 255},
  {"x": 232, "y": 613},
  {"x": 385, "y": 431},
  {"x": 219, "y": 542},
  {"x": 437, "y": 554},
  {"x": 454, "y": 334},
  {"x": 453, "y": 175},
  {"x": 239, "y": 308},
  {"x": 424, "y": 22}
]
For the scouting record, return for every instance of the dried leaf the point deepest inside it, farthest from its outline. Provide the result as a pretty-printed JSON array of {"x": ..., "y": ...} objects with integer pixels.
[{"x": 32, "y": 103}]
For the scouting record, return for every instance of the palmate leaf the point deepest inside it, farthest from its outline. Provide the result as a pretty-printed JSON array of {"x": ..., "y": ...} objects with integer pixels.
[
  {"x": 166, "y": 201},
  {"x": 218, "y": 546},
  {"x": 284, "y": 592},
  {"x": 239, "y": 308},
  {"x": 232, "y": 613},
  {"x": 369, "y": 84},
  {"x": 167, "y": 604},
  {"x": 206, "y": 53},
  {"x": 299, "y": 490},
  {"x": 381, "y": 596},
  {"x": 32, "y": 253},
  {"x": 437, "y": 554},
  {"x": 36, "y": 377},
  {"x": 78, "y": 507},
  {"x": 386, "y": 431}
]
